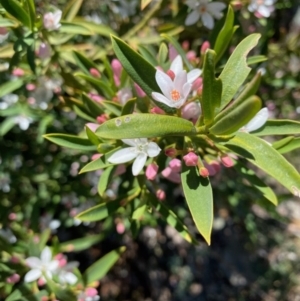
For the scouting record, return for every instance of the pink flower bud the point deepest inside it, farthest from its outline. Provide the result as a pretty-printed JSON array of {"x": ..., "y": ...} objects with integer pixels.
[
  {"x": 30, "y": 87},
  {"x": 3, "y": 31},
  {"x": 171, "y": 176},
  {"x": 157, "y": 110},
  {"x": 95, "y": 73},
  {"x": 12, "y": 216},
  {"x": 185, "y": 45},
  {"x": 14, "y": 278},
  {"x": 203, "y": 172},
  {"x": 171, "y": 152},
  {"x": 102, "y": 118},
  {"x": 191, "y": 55},
  {"x": 151, "y": 171},
  {"x": 92, "y": 126},
  {"x": 14, "y": 259},
  {"x": 120, "y": 170},
  {"x": 191, "y": 111},
  {"x": 226, "y": 161},
  {"x": 139, "y": 91},
  {"x": 175, "y": 165},
  {"x": 41, "y": 282},
  {"x": 204, "y": 47},
  {"x": 44, "y": 51},
  {"x": 216, "y": 165},
  {"x": 117, "y": 70},
  {"x": 211, "y": 170},
  {"x": 95, "y": 156},
  {"x": 171, "y": 74},
  {"x": 172, "y": 52},
  {"x": 160, "y": 194},
  {"x": 18, "y": 72},
  {"x": 91, "y": 292},
  {"x": 197, "y": 84},
  {"x": 95, "y": 97},
  {"x": 120, "y": 228},
  {"x": 190, "y": 159}
]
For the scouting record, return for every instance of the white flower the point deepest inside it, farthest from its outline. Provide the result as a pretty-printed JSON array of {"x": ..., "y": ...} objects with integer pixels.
[
  {"x": 204, "y": 10},
  {"x": 263, "y": 7},
  {"x": 177, "y": 67},
  {"x": 51, "y": 20},
  {"x": 90, "y": 294},
  {"x": 257, "y": 121},
  {"x": 139, "y": 150},
  {"x": 8, "y": 100},
  {"x": 23, "y": 122},
  {"x": 41, "y": 266},
  {"x": 124, "y": 95},
  {"x": 65, "y": 274},
  {"x": 175, "y": 92}
]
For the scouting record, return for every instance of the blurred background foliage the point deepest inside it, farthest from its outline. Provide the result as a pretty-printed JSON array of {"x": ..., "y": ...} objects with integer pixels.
[{"x": 255, "y": 247}]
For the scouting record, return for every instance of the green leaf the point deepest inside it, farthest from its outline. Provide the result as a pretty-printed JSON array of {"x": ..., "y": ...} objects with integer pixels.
[
  {"x": 212, "y": 88},
  {"x": 198, "y": 195},
  {"x": 14, "y": 8},
  {"x": 291, "y": 145},
  {"x": 145, "y": 126},
  {"x": 264, "y": 156},
  {"x": 129, "y": 106},
  {"x": 278, "y": 127},
  {"x": 83, "y": 62},
  {"x": 71, "y": 141},
  {"x": 112, "y": 107},
  {"x": 100, "y": 29},
  {"x": 234, "y": 117},
  {"x": 172, "y": 219},
  {"x": 7, "y": 23},
  {"x": 80, "y": 244},
  {"x": 236, "y": 69},
  {"x": 7, "y": 125},
  {"x": 225, "y": 34},
  {"x": 10, "y": 86},
  {"x": 101, "y": 267},
  {"x": 93, "y": 107},
  {"x": 162, "y": 54},
  {"x": 63, "y": 294},
  {"x": 71, "y": 9},
  {"x": 74, "y": 28},
  {"x": 82, "y": 114},
  {"x": 32, "y": 12},
  {"x": 105, "y": 179},
  {"x": 99, "y": 212},
  {"x": 256, "y": 59},
  {"x": 256, "y": 182},
  {"x": 144, "y": 3},
  {"x": 92, "y": 136}
]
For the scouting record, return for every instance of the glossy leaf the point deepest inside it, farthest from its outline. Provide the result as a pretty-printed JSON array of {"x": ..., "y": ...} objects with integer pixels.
[
  {"x": 14, "y": 8},
  {"x": 172, "y": 219},
  {"x": 235, "y": 117},
  {"x": 32, "y": 12},
  {"x": 101, "y": 267},
  {"x": 93, "y": 107},
  {"x": 83, "y": 62},
  {"x": 112, "y": 107},
  {"x": 212, "y": 88},
  {"x": 145, "y": 126},
  {"x": 105, "y": 179},
  {"x": 264, "y": 156},
  {"x": 198, "y": 194},
  {"x": 129, "y": 106},
  {"x": 71, "y": 141},
  {"x": 80, "y": 244},
  {"x": 278, "y": 127},
  {"x": 256, "y": 59},
  {"x": 74, "y": 28},
  {"x": 289, "y": 146},
  {"x": 10, "y": 86},
  {"x": 71, "y": 9},
  {"x": 236, "y": 70},
  {"x": 162, "y": 54}
]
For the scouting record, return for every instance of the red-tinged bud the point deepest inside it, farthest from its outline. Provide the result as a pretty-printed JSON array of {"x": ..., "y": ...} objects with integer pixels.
[
  {"x": 171, "y": 152},
  {"x": 191, "y": 55},
  {"x": 120, "y": 228},
  {"x": 216, "y": 165},
  {"x": 160, "y": 194},
  {"x": 190, "y": 159},
  {"x": 185, "y": 45},
  {"x": 95, "y": 73},
  {"x": 226, "y": 161},
  {"x": 210, "y": 169},
  {"x": 96, "y": 156},
  {"x": 175, "y": 165},
  {"x": 157, "y": 110},
  {"x": 139, "y": 91},
  {"x": 171, "y": 74},
  {"x": 13, "y": 278},
  {"x": 197, "y": 84},
  {"x": 30, "y": 87},
  {"x": 204, "y": 47},
  {"x": 204, "y": 172},
  {"x": 12, "y": 216},
  {"x": 151, "y": 171},
  {"x": 18, "y": 72},
  {"x": 102, "y": 118},
  {"x": 199, "y": 91}
]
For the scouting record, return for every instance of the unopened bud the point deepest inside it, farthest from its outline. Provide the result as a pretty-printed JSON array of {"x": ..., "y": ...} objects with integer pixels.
[
  {"x": 191, "y": 55},
  {"x": 13, "y": 278},
  {"x": 151, "y": 171},
  {"x": 171, "y": 74},
  {"x": 175, "y": 165},
  {"x": 157, "y": 110},
  {"x": 226, "y": 161},
  {"x": 160, "y": 194},
  {"x": 204, "y": 47},
  {"x": 95, "y": 73},
  {"x": 197, "y": 84},
  {"x": 139, "y": 91},
  {"x": 190, "y": 159},
  {"x": 204, "y": 172},
  {"x": 171, "y": 152},
  {"x": 102, "y": 118}
]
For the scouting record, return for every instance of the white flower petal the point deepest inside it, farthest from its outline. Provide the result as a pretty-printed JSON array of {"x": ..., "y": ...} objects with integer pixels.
[
  {"x": 164, "y": 82},
  {"x": 53, "y": 265},
  {"x": 264, "y": 11},
  {"x": 57, "y": 16},
  {"x": 33, "y": 262},
  {"x": 192, "y": 18},
  {"x": 46, "y": 255},
  {"x": 207, "y": 20},
  {"x": 123, "y": 155},
  {"x": 130, "y": 142},
  {"x": 161, "y": 98},
  {"x": 179, "y": 81},
  {"x": 139, "y": 163},
  {"x": 32, "y": 275},
  {"x": 193, "y": 75},
  {"x": 215, "y": 8},
  {"x": 177, "y": 65},
  {"x": 92, "y": 126},
  {"x": 257, "y": 121},
  {"x": 70, "y": 278},
  {"x": 153, "y": 149},
  {"x": 186, "y": 90},
  {"x": 191, "y": 3}
]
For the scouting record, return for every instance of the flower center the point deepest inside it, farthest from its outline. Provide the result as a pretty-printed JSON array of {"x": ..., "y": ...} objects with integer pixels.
[
  {"x": 203, "y": 9},
  {"x": 175, "y": 95}
]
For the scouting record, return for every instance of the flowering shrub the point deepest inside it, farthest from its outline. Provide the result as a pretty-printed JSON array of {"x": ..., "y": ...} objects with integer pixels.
[{"x": 150, "y": 119}]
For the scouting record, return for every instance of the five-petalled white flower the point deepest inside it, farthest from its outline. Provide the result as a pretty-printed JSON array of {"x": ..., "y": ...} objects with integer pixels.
[
  {"x": 177, "y": 67},
  {"x": 256, "y": 122},
  {"x": 44, "y": 265},
  {"x": 51, "y": 21},
  {"x": 175, "y": 92},
  {"x": 139, "y": 150},
  {"x": 205, "y": 10},
  {"x": 263, "y": 8}
]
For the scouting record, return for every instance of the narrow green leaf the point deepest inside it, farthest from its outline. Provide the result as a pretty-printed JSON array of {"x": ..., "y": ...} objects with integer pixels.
[
  {"x": 71, "y": 9},
  {"x": 236, "y": 69},
  {"x": 99, "y": 212},
  {"x": 101, "y": 29},
  {"x": 145, "y": 126},
  {"x": 92, "y": 136},
  {"x": 162, "y": 54},
  {"x": 8, "y": 23},
  {"x": 290, "y": 146},
  {"x": 129, "y": 106},
  {"x": 101, "y": 267},
  {"x": 74, "y": 28},
  {"x": 105, "y": 179},
  {"x": 198, "y": 195},
  {"x": 14, "y": 8},
  {"x": 80, "y": 244},
  {"x": 256, "y": 182},
  {"x": 148, "y": 55},
  {"x": 10, "y": 86},
  {"x": 282, "y": 142},
  {"x": 32, "y": 13},
  {"x": 256, "y": 59},
  {"x": 93, "y": 107},
  {"x": 234, "y": 117},
  {"x": 225, "y": 34},
  {"x": 7, "y": 125},
  {"x": 71, "y": 141},
  {"x": 212, "y": 88},
  {"x": 278, "y": 127},
  {"x": 78, "y": 110},
  {"x": 144, "y": 3},
  {"x": 112, "y": 107},
  {"x": 172, "y": 219},
  {"x": 264, "y": 156},
  {"x": 84, "y": 63}
]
